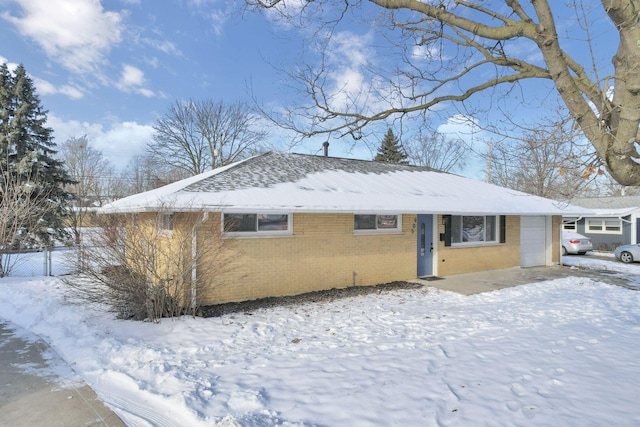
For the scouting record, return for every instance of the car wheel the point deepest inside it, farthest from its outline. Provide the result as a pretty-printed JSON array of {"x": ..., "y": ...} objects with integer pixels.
[
  {"x": 564, "y": 250},
  {"x": 626, "y": 257},
  {"x": 581, "y": 253}
]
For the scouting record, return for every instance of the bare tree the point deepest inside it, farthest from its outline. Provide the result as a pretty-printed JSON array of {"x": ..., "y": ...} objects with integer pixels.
[
  {"x": 438, "y": 151},
  {"x": 196, "y": 136},
  {"x": 546, "y": 160},
  {"x": 451, "y": 51},
  {"x": 143, "y": 173},
  {"x": 608, "y": 187},
  {"x": 93, "y": 176},
  {"x": 149, "y": 266},
  {"x": 21, "y": 212}
]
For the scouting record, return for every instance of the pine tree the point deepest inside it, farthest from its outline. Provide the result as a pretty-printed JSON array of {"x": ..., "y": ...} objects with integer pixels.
[
  {"x": 34, "y": 201},
  {"x": 390, "y": 150}
]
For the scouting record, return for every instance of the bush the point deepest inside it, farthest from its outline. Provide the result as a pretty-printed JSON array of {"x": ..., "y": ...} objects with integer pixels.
[{"x": 145, "y": 272}]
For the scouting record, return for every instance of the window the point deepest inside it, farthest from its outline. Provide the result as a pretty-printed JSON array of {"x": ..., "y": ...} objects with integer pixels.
[
  {"x": 165, "y": 222},
  {"x": 604, "y": 226},
  {"x": 473, "y": 229},
  {"x": 248, "y": 223},
  {"x": 377, "y": 223},
  {"x": 570, "y": 224}
]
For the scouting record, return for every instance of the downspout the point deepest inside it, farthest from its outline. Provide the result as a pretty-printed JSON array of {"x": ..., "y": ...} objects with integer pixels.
[{"x": 194, "y": 254}]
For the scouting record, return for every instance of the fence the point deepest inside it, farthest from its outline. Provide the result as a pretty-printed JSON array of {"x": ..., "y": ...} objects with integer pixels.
[{"x": 50, "y": 262}]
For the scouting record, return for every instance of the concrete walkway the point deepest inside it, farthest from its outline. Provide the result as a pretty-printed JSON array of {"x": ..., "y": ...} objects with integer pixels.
[
  {"x": 486, "y": 281},
  {"x": 37, "y": 388}
]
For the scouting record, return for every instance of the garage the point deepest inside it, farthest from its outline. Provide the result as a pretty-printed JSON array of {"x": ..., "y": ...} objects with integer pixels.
[{"x": 533, "y": 241}]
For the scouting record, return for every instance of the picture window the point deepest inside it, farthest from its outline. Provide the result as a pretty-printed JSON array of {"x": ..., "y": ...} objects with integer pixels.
[{"x": 473, "y": 229}]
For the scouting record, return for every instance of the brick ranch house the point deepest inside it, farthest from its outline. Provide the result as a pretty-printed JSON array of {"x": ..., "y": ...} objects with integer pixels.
[{"x": 302, "y": 223}]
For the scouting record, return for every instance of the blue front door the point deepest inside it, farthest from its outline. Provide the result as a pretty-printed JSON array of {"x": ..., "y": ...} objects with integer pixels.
[{"x": 425, "y": 245}]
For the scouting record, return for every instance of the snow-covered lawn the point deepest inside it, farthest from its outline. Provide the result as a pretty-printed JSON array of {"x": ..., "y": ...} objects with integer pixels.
[{"x": 563, "y": 352}]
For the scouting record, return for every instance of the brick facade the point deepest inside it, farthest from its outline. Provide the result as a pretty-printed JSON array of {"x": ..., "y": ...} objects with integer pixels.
[
  {"x": 324, "y": 253},
  {"x": 458, "y": 260}
]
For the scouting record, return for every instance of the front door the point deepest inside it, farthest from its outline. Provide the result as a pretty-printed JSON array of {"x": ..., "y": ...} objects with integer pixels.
[{"x": 425, "y": 245}]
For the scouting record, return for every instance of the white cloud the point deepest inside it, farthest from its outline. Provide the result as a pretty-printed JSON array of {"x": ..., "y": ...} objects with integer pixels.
[
  {"x": 132, "y": 80},
  {"x": 131, "y": 76},
  {"x": 208, "y": 9},
  {"x": 47, "y": 88},
  {"x": 350, "y": 49},
  {"x": 429, "y": 52},
  {"x": 164, "y": 46},
  {"x": 119, "y": 143},
  {"x": 284, "y": 12},
  {"x": 348, "y": 55},
  {"x": 78, "y": 34},
  {"x": 10, "y": 65},
  {"x": 217, "y": 18},
  {"x": 463, "y": 126}
]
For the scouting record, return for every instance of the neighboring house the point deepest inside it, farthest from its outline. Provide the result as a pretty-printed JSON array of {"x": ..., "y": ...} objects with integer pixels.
[
  {"x": 302, "y": 223},
  {"x": 614, "y": 222}
]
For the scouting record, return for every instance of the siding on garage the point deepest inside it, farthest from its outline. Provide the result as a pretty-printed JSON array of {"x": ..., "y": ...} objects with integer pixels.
[{"x": 534, "y": 240}]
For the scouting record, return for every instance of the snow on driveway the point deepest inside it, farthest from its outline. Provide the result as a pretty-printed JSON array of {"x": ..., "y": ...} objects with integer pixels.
[{"x": 561, "y": 352}]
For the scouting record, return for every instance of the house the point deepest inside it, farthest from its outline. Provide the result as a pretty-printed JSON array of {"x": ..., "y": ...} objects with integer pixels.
[
  {"x": 302, "y": 223},
  {"x": 615, "y": 221}
]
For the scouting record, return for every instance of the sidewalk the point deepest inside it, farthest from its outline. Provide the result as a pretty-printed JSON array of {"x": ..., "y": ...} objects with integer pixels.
[{"x": 37, "y": 388}]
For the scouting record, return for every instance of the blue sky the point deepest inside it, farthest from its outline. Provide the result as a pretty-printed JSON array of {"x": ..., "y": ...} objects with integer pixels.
[{"x": 110, "y": 68}]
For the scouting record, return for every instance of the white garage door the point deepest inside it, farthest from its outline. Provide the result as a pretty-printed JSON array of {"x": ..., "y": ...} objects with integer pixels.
[{"x": 533, "y": 241}]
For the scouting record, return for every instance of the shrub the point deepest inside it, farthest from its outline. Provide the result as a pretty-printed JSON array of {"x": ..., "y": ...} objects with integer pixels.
[{"x": 146, "y": 272}]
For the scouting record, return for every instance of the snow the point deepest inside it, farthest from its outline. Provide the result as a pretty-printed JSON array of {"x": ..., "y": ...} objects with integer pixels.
[
  {"x": 345, "y": 191},
  {"x": 619, "y": 212},
  {"x": 559, "y": 352}
]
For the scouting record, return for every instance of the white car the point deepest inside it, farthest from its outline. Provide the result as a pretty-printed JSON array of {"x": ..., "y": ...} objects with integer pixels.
[
  {"x": 575, "y": 243},
  {"x": 628, "y": 253}
]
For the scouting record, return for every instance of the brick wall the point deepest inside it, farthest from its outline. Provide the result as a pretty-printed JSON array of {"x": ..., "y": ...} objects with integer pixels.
[
  {"x": 458, "y": 260},
  {"x": 323, "y": 253}
]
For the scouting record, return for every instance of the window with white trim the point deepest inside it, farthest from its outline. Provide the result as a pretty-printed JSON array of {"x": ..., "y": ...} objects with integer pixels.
[
  {"x": 247, "y": 224},
  {"x": 570, "y": 224},
  {"x": 377, "y": 223},
  {"x": 474, "y": 229},
  {"x": 604, "y": 225}
]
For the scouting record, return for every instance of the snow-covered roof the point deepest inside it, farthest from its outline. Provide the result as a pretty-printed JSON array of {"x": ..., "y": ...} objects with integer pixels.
[
  {"x": 614, "y": 212},
  {"x": 286, "y": 182},
  {"x": 614, "y": 205}
]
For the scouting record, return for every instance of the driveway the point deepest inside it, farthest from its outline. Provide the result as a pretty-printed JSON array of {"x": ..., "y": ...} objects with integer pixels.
[{"x": 485, "y": 281}]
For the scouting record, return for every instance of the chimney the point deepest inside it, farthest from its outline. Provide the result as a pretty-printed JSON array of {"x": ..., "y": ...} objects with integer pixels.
[{"x": 325, "y": 145}]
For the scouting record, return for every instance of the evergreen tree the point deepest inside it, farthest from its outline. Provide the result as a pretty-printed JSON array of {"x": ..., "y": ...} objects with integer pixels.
[
  {"x": 31, "y": 176},
  {"x": 390, "y": 150}
]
